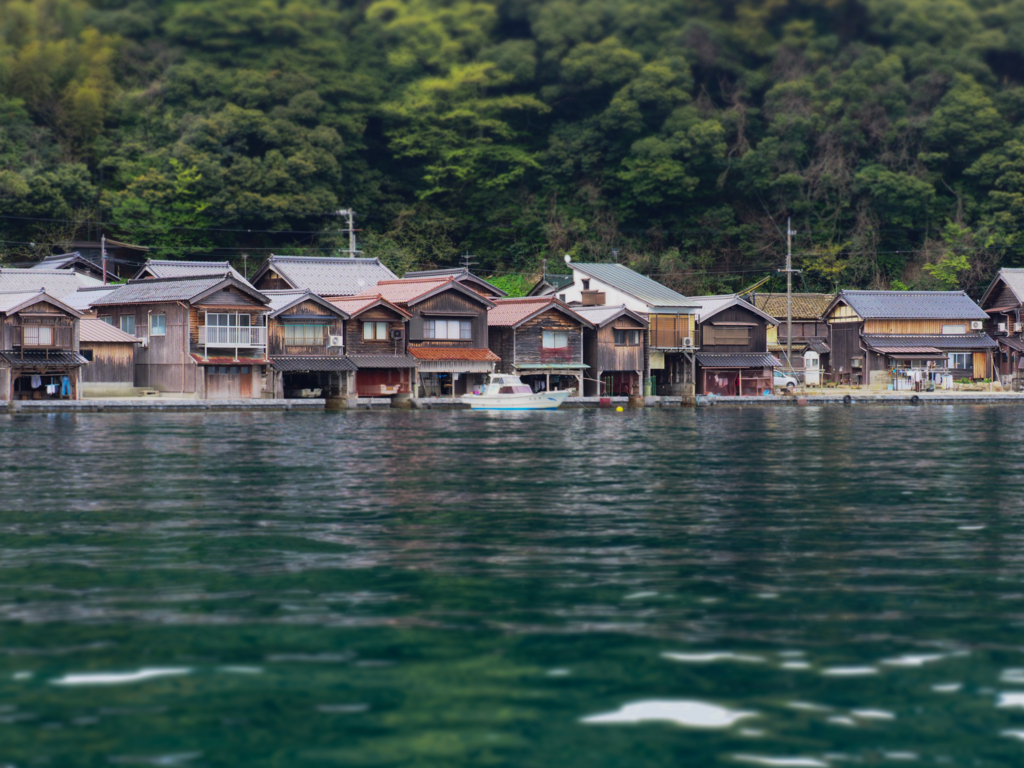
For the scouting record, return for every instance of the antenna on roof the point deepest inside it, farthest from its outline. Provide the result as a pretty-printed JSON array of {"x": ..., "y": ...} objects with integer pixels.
[
  {"x": 350, "y": 215},
  {"x": 568, "y": 259},
  {"x": 468, "y": 259}
]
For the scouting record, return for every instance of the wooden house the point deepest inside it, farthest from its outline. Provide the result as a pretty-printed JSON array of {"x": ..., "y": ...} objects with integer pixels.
[
  {"x": 461, "y": 275},
  {"x": 550, "y": 285},
  {"x": 883, "y": 338},
  {"x": 59, "y": 283},
  {"x": 201, "y": 336},
  {"x": 810, "y": 331},
  {"x": 173, "y": 268},
  {"x": 447, "y": 332},
  {"x": 73, "y": 262},
  {"x": 733, "y": 358},
  {"x": 669, "y": 344},
  {"x": 539, "y": 339},
  {"x": 1003, "y": 302},
  {"x": 323, "y": 275},
  {"x": 39, "y": 343},
  {"x": 306, "y": 346},
  {"x": 375, "y": 345},
  {"x": 613, "y": 350},
  {"x": 111, "y": 355}
]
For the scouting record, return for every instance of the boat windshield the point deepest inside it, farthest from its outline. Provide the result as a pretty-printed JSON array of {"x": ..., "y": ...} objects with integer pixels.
[{"x": 515, "y": 389}]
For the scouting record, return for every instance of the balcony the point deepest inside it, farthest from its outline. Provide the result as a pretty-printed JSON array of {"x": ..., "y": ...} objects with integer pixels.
[
  {"x": 253, "y": 336},
  {"x": 43, "y": 337}
]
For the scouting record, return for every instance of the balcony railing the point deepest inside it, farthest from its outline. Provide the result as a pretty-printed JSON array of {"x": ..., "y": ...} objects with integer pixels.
[
  {"x": 232, "y": 336},
  {"x": 43, "y": 337}
]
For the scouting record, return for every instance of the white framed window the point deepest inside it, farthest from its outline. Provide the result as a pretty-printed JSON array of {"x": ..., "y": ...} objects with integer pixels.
[
  {"x": 128, "y": 324},
  {"x": 158, "y": 325},
  {"x": 556, "y": 340},
  {"x": 448, "y": 329},
  {"x": 227, "y": 320},
  {"x": 38, "y": 336},
  {"x": 303, "y": 335},
  {"x": 961, "y": 360},
  {"x": 375, "y": 331},
  {"x": 953, "y": 330}
]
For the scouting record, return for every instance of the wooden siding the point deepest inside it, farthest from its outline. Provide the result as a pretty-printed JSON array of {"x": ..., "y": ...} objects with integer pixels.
[
  {"x": 1002, "y": 297},
  {"x": 501, "y": 341},
  {"x": 843, "y": 312},
  {"x": 355, "y": 344},
  {"x": 845, "y": 343},
  {"x": 453, "y": 305},
  {"x": 920, "y": 327},
  {"x": 111, "y": 363},
  {"x": 230, "y": 297},
  {"x": 668, "y": 331},
  {"x": 529, "y": 340},
  {"x": 334, "y": 326},
  {"x": 981, "y": 365},
  {"x": 268, "y": 283},
  {"x": 757, "y": 336},
  {"x": 601, "y": 353}
]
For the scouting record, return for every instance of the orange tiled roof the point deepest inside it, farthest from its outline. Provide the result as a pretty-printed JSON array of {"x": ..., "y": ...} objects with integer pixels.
[
  {"x": 404, "y": 291},
  {"x": 353, "y": 305},
  {"x": 453, "y": 353},
  {"x": 510, "y": 312}
]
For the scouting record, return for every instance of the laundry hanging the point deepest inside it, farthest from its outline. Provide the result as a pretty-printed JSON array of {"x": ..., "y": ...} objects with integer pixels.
[
  {"x": 37, "y": 382},
  {"x": 65, "y": 386}
]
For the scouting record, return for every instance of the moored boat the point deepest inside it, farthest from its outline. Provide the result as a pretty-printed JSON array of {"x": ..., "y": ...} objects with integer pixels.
[{"x": 504, "y": 392}]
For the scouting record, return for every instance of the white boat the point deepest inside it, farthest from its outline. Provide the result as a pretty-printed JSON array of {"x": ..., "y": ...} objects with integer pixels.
[{"x": 508, "y": 393}]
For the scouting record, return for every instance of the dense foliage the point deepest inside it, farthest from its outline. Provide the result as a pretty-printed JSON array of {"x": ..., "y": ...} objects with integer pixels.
[{"x": 675, "y": 135}]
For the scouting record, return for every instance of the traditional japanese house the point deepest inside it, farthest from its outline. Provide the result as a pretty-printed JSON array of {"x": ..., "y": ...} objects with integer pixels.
[
  {"x": 123, "y": 259},
  {"x": 375, "y": 345},
  {"x": 39, "y": 342},
  {"x": 163, "y": 268},
  {"x": 901, "y": 338},
  {"x": 810, "y": 331},
  {"x": 669, "y": 344},
  {"x": 447, "y": 332},
  {"x": 306, "y": 346},
  {"x": 462, "y": 275},
  {"x": 204, "y": 336},
  {"x": 733, "y": 336},
  {"x": 72, "y": 262},
  {"x": 59, "y": 283},
  {"x": 550, "y": 285},
  {"x": 1003, "y": 302},
  {"x": 613, "y": 350},
  {"x": 539, "y": 339},
  {"x": 323, "y": 275},
  {"x": 111, "y": 355}
]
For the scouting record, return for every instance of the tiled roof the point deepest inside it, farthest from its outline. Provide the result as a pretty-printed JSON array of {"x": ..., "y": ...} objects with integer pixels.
[
  {"x": 913, "y": 305},
  {"x": 633, "y": 283},
  {"x": 453, "y": 353},
  {"x": 404, "y": 291},
  {"x": 383, "y": 361},
  {"x": 159, "y": 268},
  {"x": 738, "y": 360},
  {"x": 709, "y": 306},
  {"x": 798, "y": 346},
  {"x": 948, "y": 341},
  {"x": 1014, "y": 279},
  {"x": 282, "y": 300},
  {"x": 148, "y": 290},
  {"x": 57, "y": 282},
  {"x": 1012, "y": 342},
  {"x": 806, "y": 306},
  {"x": 312, "y": 363},
  {"x": 83, "y": 298},
  {"x": 327, "y": 276},
  {"x": 511, "y": 312},
  {"x": 15, "y": 298},
  {"x": 602, "y": 315},
  {"x": 462, "y": 275},
  {"x": 354, "y": 305},
  {"x": 97, "y": 331},
  {"x": 227, "y": 360},
  {"x": 36, "y": 359},
  {"x": 819, "y": 345}
]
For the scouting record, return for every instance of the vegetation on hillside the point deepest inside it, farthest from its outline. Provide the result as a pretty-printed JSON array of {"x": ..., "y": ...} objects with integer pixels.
[{"x": 673, "y": 135}]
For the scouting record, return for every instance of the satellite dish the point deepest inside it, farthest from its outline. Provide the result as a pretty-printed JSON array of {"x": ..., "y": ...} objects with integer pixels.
[{"x": 568, "y": 258}]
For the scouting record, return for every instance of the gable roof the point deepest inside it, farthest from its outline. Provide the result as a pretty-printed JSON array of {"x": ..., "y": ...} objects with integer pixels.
[
  {"x": 326, "y": 275},
  {"x": 281, "y": 301},
  {"x": 806, "y": 306},
  {"x": 1014, "y": 280},
  {"x": 461, "y": 274},
  {"x": 151, "y": 290},
  {"x": 550, "y": 284},
  {"x": 69, "y": 261},
  {"x": 911, "y": 305},
  {"x": 166, "y": 268},
  {"x": 356, "y": 305},
  {"x": 511, "y": 313},
  {"x": 709, "y": 306},
  {"x": 56, "y": 282},
  {"x": 98, "y": 332},
  {"x": 83, "y": 298},
  {"x": 633, "y": 283},
  {"x": 600, "y": 316},
  {"x": 415, "y": 290},
  {"x": 12, "y": 302}
]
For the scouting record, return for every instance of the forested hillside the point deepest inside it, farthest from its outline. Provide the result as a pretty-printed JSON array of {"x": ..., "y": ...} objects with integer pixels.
[{"x": 675, "y": 135}]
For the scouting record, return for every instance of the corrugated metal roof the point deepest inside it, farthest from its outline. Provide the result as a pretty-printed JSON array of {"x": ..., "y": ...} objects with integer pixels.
[
  {"x": 383, "y": 361},
  {"x": 56, "y": 282},
  {"x": 511, "y": 312},
  {"x": 602, "y": 315},
  {"x": 43, "y": 359},
  {"x": 149, "y": 290},
  {"x": 1014, "y": 279},
  {"x": 327, "y": 276},
  {"x": 15, "y": 299},
  {"x": 947, "y": 342},
  {"x": 312, "y": 363},
  {"x": 82, "y": 299},
  {"x": 738, "y": 360},
  {"x": 709, "y": 306},
  {"x": 806, "y": 306},
  {"x": 913, "y": 305},
  {"x": 97, "y": 331},
  {"x": 165, "y": 268},
  {"x": 633, "y": 283},
  {"x": 280, "y": 301},
  {"x": 1012, "y": 342},
  {"x": 453, "y": 353}
]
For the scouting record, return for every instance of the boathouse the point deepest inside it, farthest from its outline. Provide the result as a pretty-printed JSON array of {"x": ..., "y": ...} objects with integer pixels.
[
  {"x": 733, "y": 358},
  {"x": 1003, "y": 302},
  {"x": 111, "y": 355},
  {"x": 375, "y": 345},
  {"x": 613, "y": 350}
]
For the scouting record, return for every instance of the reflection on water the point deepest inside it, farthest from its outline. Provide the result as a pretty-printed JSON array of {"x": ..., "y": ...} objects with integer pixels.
[{"x": 774, "y": 587}]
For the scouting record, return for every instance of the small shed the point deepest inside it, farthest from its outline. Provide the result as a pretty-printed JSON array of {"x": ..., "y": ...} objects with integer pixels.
[{"x": 111, "y": 355}]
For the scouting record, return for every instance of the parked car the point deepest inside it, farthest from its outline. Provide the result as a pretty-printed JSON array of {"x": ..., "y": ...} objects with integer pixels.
[{"x": 784, "y": 379}]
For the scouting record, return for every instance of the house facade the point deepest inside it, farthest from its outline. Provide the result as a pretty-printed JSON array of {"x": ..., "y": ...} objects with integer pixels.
[
  {"x": 39, "y": 348},
  {"x": 733, "y": 358},
  {"x": 463, "y": 276},
  {"x": 1003, "y": 302},
  {"x": 539, "y": 339},
  {"x": 810, "y": 331},
  {"x": 111, "y": 359},
  {"x": 613, "y": 350},
  {"x": 375, "y": 341}
]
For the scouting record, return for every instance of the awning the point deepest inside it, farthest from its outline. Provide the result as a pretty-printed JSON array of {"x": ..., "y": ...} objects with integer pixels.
[
  {"x": 819, "y": 346},
  {"x": 363, "y": 362},
  {"x": 293, "y": 363},
  {"x": 738, "y": 360},
  {"x": 897, "y": 351},
  {"x": 456, "y": 366},
  {"x": 551, "y": 366},
  {"x": 229, "y": 360},
  {"x": 37, "y": 359},
  {"x": 1011, "y": 342},
  {"x": 902, "y": 356}
]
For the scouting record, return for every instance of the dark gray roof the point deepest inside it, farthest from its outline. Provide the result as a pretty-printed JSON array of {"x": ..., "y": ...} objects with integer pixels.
[
  {"x": 738, "y": 360},
  {"x": 633, "y": 283},
  {"x": 945, "y": 342},
  {"x": 282, "y": 300},
  {"x": 160, "y": 289},
  {"x": 311, "y": 363},
  {"x": 605, "y": 313},
  {"x": 1014, "y": 279},
  {"x": 42, "y": 359},
  {"x": 913, "y": 305},
  {"x": 709, "y": 306},
  {"x": 819, "y": 345},
  {"x": 166, "y": 268},
  {"x": 328, "y": 276},
  {"x": 383, "y": 361}
]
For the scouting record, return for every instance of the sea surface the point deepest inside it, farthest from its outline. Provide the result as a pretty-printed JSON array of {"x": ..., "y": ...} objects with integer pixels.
[{"x": 773, "y": 587}]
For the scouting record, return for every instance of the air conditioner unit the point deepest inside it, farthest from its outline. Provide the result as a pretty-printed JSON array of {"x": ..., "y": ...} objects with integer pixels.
[
  {"x": 144, "y": 343},
  {"x": 688, "y": 342},
  {"x": 977, "y": 325},
  {"x": 1001, "y": 327},
  {"x": 397, "y": 334},
  {"x": 335, "y": 341}
]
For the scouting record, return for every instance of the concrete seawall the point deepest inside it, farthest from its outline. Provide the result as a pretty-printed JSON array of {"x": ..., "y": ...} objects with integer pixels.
[{"x": 155, "y": 404}]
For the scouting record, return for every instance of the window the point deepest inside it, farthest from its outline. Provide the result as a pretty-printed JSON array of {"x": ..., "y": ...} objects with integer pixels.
[
  {"x": 128, "y": 324},
  {"x": 375, "y": 331},
  {"x": 960, "y": 360},
  {"x": 556, "y": 339},
  {"x": 627, "y": 338},
  {"x": 38, "y": 336},
  {"x": 561, "y": 297},
  {"x": 303, "y": 335},
  {"x": 953, "y": 329},
  {"x": 157, "y": 325},
  {"x": 245, "y": 369},
  {"x": 86, "y": 353},
  {"x": 728, "y": 335},
  {"x": 225, "y": 320},
  {"x": 586, "y": 285},
  {"x": 108, "y": 320},
  {"x": 448, "y": 329}
]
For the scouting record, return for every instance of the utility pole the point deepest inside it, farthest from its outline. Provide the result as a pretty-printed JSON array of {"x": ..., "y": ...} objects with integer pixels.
[
  {"x": 103, "y": 252},
  {"x": 467, "y": 260},
  {"x": 789, "y": 292},
  {"x": 350, "y": 214},
  {"x": 245, "y": 265}
]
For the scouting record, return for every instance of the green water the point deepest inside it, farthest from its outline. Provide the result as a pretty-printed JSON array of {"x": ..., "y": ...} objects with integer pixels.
[{"x": 581, "y": 589}]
